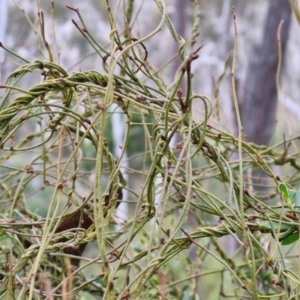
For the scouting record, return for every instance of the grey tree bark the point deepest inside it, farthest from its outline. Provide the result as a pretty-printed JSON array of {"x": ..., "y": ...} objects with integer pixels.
[{"x": 259, "y": 95}]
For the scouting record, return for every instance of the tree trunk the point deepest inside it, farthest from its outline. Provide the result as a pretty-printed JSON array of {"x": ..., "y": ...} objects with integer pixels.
[{"x": 259, "y": 98}]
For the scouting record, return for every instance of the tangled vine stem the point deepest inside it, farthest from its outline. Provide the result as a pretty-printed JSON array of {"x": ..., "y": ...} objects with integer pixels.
[{"x": 56, "y": 135}]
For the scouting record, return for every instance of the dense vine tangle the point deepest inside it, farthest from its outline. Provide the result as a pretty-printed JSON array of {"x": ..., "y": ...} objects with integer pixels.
[
  {"x": 179, "y": 113},
  {"x": 168, "y": 117},
  {"x": 57, "y": 81},
  {"x": 36, "y": 97},
  {"x": 75, "y": 110}
]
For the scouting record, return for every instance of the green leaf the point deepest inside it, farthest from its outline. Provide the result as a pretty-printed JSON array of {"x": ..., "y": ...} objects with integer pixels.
[
  {"x": 137, "y": 249},
  {"x": 286, "y": 234},
  {"x": 291, "y": 239},
  {"x": 283, "y": 189}
]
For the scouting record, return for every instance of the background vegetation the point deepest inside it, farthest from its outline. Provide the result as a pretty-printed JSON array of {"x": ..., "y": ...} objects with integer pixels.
[{"x": 125, "y": 170}]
